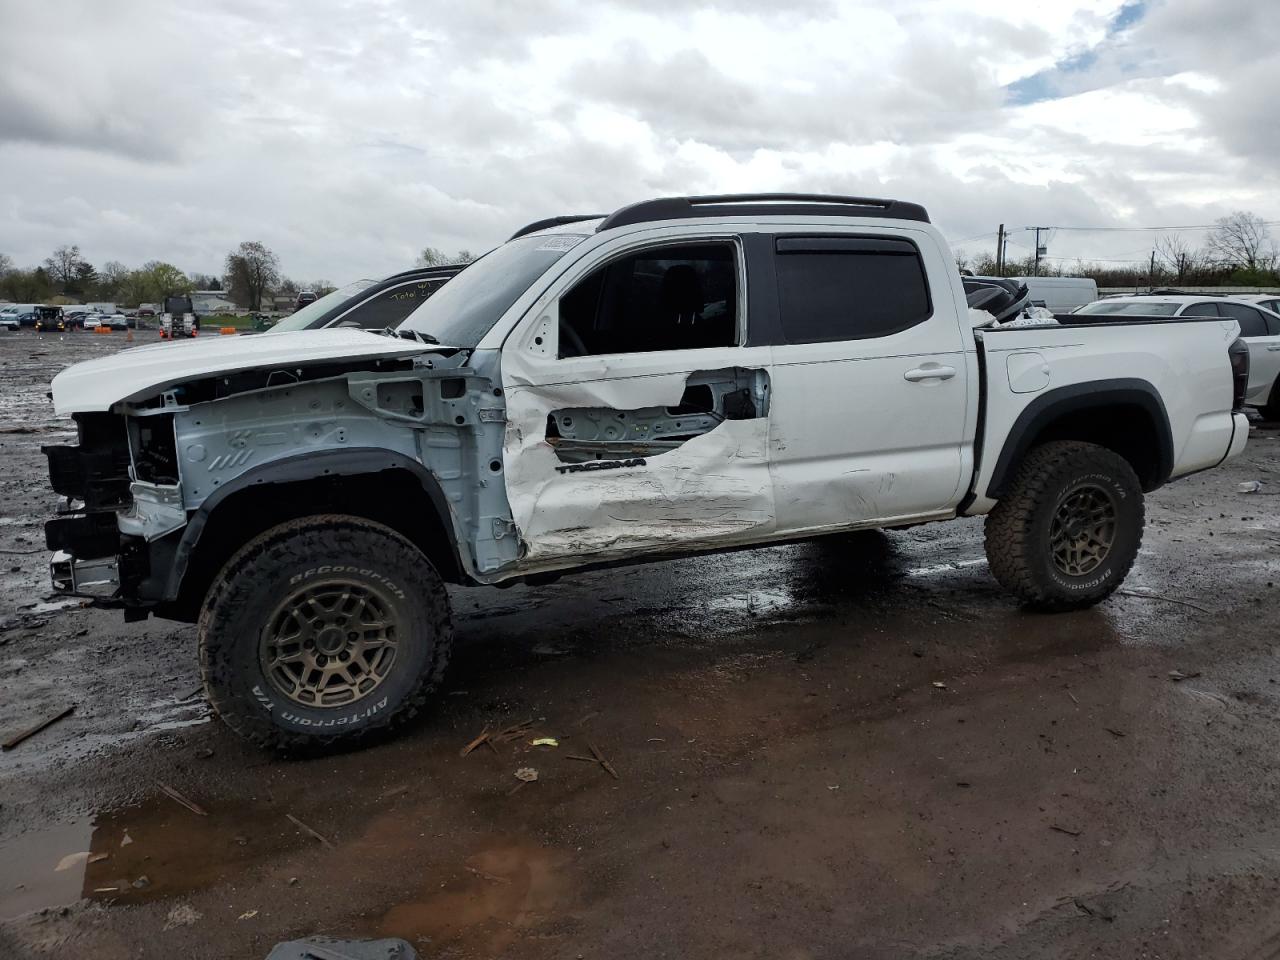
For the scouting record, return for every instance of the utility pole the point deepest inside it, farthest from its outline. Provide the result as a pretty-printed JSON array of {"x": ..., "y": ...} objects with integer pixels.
[
  {"x": 1036, "y": 270},
  {"x": 1151, "y": 273},
  {"x": 1000, "y": 251}
]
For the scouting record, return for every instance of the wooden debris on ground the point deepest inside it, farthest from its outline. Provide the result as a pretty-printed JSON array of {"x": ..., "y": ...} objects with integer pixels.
[
  {"x": 17, "y": 738},
  {"x": 173, "y": 794},
  {"x": 314, "y": 834}
]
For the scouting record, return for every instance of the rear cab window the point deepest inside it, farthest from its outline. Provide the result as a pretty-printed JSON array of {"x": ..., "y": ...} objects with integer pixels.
[{"x": 835, "y": 288}]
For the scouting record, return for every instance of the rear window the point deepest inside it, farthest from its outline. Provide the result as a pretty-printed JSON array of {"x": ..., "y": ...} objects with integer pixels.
[
  {"x": 1128, "y": 308},
  {"x": 1250, "y": 320},
  {"x": 849, "y": 288}
]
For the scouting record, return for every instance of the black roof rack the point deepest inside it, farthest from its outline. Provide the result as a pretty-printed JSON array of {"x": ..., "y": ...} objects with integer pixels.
[
  {"x": 553, "y": 222},
  {"x": 763, "y": 205}
]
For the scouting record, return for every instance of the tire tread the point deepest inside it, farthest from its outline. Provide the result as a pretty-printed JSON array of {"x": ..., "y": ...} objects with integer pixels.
[
  {"x": 278, "y": 546},
  {"x": 1007, "y": 548}
]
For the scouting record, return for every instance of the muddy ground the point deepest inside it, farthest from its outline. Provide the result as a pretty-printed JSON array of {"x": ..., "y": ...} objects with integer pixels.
[{"x": 851, "y": 748}]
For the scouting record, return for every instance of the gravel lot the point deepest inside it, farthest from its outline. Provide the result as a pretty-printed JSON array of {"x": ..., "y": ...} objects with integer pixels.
[{"x": 851, "y": 748}]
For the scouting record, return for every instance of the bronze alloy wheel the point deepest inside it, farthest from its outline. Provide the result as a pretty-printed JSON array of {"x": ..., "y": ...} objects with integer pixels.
[
  {"x": 1083, "y": 530},
  {"x": 330, "y": 643}
]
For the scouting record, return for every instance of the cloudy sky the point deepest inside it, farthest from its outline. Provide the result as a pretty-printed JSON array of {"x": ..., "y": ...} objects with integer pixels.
[{"x": 349, "y": 135}]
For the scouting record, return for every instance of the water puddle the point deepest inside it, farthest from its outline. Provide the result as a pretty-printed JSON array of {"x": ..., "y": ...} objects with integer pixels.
[
  {"x": 754, "y": 602},
  {"x": 156, "y": 850},
  {"x": 937, "y": 568},
  {"x": 44, "y": 868}
]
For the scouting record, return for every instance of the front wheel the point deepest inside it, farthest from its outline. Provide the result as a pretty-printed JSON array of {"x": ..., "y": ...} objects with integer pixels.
[
  {"x": 1069, "y": 528},
  {"x": 323, "y": 631}
]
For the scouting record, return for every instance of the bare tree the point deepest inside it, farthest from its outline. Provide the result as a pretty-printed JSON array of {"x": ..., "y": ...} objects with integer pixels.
[
  {"x": 251, "y": 270},
  {"x": 1173, "y": 249},
  {"x": 1243, "y": 239},
  {"x": 6, "y": 264},
  {"x": 112, "y": 278},
  {"x": 435, "y": 257},
  {"x": 66, "y": 268},
  {"x": 432, "y": 257}
]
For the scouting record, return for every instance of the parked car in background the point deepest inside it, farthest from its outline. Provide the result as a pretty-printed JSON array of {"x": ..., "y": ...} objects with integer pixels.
[
  {"x": 371, "y": 304},
  {"x": 74, "y": 316},
  {"x": 116, "y": 321},
  {"x": 1268, "y": 301},
  {"x": 304, "y": 298},
  {"x": 1259, "y": 329},
  {"x": 9, "y": 321},
  {"x": 1060, "y": 294},
  {"x": 21, "y": 311}
]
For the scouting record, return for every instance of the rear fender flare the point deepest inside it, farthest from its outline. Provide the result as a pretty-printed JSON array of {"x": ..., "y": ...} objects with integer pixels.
[{"x": 1095, "y": 395}]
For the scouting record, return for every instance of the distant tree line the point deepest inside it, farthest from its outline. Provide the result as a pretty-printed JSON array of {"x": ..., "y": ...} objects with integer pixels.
[
  {"x": 1239, "y": 251},
  {"x": 435, "y": 257},
  {"x": 251, "y": 276}
]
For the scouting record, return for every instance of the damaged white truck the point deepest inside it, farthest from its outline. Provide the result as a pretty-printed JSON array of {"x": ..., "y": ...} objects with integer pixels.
[{"x": 683, "y": 375}]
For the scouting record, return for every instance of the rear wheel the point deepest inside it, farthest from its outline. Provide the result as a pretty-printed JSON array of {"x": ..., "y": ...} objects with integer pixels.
[
  {"x": 1271, "y": 409},
  {"x": 1070, "y": 527},
  {"x": 323, "y": 631}
]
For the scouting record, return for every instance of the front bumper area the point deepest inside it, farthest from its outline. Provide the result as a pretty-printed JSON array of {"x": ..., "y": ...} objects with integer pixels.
[{"x": 97, "y": 579}]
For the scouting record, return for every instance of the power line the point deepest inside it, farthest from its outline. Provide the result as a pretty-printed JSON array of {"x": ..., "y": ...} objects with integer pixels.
[
  {"x": 1185, "y": 226},
  {"x": 981, "y": 236}
]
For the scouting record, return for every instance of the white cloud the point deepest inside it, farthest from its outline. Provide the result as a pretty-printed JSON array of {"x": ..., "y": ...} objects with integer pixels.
[{"x": 349, "y": 136}]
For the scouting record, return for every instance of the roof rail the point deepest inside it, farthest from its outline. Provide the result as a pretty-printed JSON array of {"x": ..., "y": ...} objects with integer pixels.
[
  {"x": 762, "y": 205},
  {"x": 553, "y": 222}
]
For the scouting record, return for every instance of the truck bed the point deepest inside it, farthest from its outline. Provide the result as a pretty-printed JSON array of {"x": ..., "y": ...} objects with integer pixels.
[{"x": 1181, "y": 364}]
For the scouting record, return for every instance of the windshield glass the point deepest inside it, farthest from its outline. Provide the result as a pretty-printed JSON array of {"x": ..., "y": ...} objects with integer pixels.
[
  {"x": 1130, "y": 308},
  {"x": 461, "y": 312},
  {"x": 301, "y": 319}
]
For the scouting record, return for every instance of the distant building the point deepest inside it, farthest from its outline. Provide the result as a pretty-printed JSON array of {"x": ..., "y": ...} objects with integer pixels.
[{"x": 206, "y": 302}]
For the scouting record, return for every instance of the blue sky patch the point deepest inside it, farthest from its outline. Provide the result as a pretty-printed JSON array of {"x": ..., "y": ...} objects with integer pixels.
[{"x": 1046, "y": 84}]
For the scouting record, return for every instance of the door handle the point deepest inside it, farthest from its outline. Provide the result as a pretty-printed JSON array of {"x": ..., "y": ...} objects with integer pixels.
[
  {"x": 930, "y": 371},
  {"x": 1274, "y": 347}
]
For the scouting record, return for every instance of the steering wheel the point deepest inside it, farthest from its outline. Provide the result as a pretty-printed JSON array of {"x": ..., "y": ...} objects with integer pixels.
[{"x": 570, "y": 335}]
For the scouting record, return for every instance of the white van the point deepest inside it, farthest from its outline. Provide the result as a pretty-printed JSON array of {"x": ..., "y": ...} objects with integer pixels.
[{"x": 1060, "y": 294}]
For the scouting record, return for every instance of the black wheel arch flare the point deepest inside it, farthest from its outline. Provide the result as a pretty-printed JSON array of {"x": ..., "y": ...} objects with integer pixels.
[
  {"x": 1097, "y": 395},
  {"x": 302, "y": 467}
]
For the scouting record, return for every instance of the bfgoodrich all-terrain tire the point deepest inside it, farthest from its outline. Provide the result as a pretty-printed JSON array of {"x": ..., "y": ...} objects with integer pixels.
[
  {"x": 1069, "y": 528},
  {"x": 322, "y": 632}
]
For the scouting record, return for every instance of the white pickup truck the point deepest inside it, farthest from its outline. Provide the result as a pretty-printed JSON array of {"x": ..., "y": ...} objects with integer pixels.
[{"x": 683, "y": 375}]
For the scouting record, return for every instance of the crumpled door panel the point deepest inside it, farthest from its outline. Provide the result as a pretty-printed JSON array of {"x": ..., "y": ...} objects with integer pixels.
[{"x": 608, "y": 468}]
